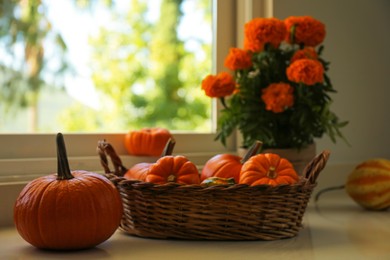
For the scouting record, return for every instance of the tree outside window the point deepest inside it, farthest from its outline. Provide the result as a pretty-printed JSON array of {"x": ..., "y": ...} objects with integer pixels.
[{"x": 144, "y": 66}]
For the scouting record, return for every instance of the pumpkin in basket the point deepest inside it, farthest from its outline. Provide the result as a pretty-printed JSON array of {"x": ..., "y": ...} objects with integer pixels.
[
  {"x": 166, "y": 169},
  {"x": 140, "y": 170},
  {"x": 147, "y": 141},
  {"x": 227, "y": 165},
  {"x": 268, "y": 169},
  {"x": 176, "y": 169},
  {"x": 68, "y": 210}
]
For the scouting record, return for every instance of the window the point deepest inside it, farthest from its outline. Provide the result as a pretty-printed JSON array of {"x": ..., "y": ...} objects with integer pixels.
[
  {"x": 26, "y": 156},
  {"x": 127, "y": 64}
]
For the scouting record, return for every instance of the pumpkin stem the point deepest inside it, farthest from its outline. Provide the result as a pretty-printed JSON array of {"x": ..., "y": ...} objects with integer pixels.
[
  {"x": 63, "y": 170},
  {"x": 168, "y": 149},
  {"x": 251, "y": 151},
  {"x": 272, "y": 172},
  {"x": 171, "y": 178}
]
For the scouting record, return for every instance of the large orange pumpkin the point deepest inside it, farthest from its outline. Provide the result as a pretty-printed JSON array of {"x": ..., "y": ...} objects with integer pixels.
[
  {"x": 68, "y": 210},
  {"x": 268, "y": 169},
  {"x": 147, "y": 141},
  {"x": 173, "y": 169},
  {"x": 227, "y": 165}
]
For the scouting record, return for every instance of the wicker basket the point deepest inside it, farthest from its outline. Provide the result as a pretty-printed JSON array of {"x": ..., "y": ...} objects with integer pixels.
[{"x": 238, "y": 212}]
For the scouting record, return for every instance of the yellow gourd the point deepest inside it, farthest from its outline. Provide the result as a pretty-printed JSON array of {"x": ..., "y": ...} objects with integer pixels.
[{"x": 368, "y": 184}]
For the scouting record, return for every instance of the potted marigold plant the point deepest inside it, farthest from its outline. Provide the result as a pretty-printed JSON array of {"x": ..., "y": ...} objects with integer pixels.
[{"x": 277, "y": 90}]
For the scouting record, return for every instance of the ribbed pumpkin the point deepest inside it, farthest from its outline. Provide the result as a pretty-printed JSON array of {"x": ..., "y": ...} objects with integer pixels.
[
  {"x": 369, "y": 184},
  {"x": 68, "y": 210},
  {"x": 268, "y": 169},
  {"x": 147, "y": 141},
  {"x": 176, "y": 169},
  {"x": 227, "y": 165},
  {"x": 140, "y": 170}
]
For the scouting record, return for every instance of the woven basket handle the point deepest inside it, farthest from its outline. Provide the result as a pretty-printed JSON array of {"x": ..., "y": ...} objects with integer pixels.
[
  {"x": 104, "y": 148},
  {"x": 313, "y": 169}
]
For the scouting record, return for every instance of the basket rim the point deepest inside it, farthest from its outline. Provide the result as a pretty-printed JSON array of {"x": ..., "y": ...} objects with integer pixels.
[
  {"x": 308, "y": 178},
  {"x": 309, "y": 175},
  {"x": 120, "y": 181}
]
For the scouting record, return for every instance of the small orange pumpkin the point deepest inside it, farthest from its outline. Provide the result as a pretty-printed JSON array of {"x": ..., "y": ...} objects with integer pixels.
[
  {"x": 268, "y": 169},
  {"x": 68, "y": 210},
  {"x": 147, "y": 141},
  {"x": 227, "y": 165},
  {"x": 173, "y": 169},
  {"x": 140, "y": 170}
]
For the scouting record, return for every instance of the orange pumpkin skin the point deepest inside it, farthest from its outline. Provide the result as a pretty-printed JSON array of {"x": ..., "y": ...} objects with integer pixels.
[
  {"x": 369, "y": 184},
  {"x": 173, "y": 169},
  {"x": 138, "y": 171},
  {"x": 147, "y": 141},
  {"x": 268, "y": 169},
  {"x": 223, "y": 166},
  {"x": 228, "y": 165},
  {"x": 68, "y": 214}
]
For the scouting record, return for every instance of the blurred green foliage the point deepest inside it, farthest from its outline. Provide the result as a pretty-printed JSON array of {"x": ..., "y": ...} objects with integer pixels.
[
  {"x": 144, "y": 68},
  {"x": 142, "y": 71}
]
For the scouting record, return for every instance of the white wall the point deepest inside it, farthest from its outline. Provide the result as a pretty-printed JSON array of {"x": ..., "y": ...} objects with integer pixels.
[{"x": 358, "y": 46}]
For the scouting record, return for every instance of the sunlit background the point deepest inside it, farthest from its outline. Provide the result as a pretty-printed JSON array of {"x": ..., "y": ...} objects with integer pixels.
[{"x": 117, "y": 78}]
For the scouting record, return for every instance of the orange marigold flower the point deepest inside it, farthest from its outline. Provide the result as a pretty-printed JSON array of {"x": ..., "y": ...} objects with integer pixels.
[
  {"x": 306, "y": 71},
  {"x": 260, "y": 31},
  {"x": 238, "y": 59},
  {"x": 278, "y": 97},
  {"x": 305, "y": 53},
  {"x": 219, "y": 85},
  {"x": 307, "y": 31}
]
